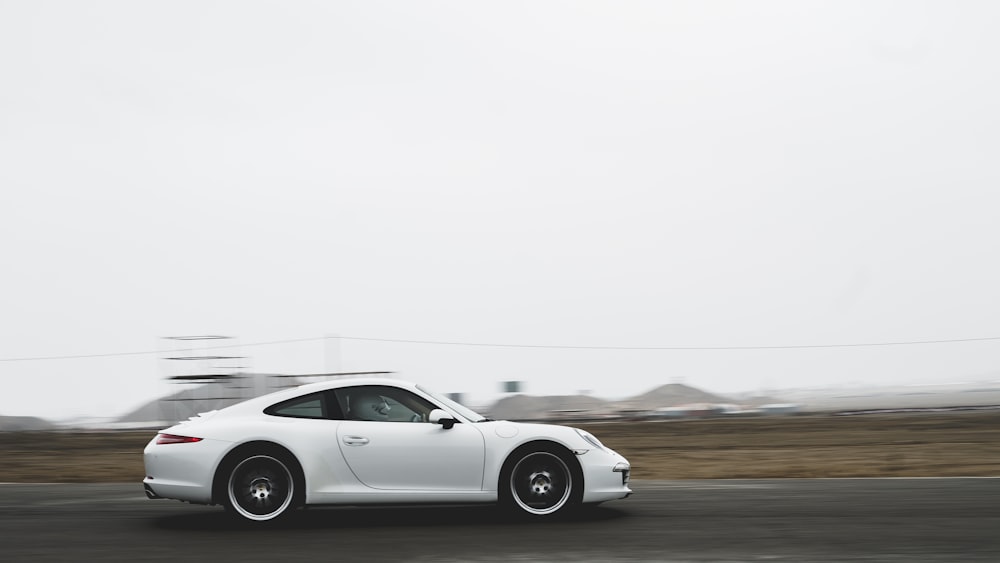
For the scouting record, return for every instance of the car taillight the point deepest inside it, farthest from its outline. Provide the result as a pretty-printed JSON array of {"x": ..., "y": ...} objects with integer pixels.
[{"x": 175, "y": 439}]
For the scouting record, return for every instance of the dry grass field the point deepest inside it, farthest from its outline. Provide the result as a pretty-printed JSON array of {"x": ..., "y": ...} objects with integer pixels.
[
  {"x": 890, "y": 445},
  {"x": 925, "y": 445}
]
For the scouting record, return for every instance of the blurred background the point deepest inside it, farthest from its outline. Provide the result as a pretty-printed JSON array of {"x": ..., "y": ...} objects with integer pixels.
[{"x": 590, "y": 198}]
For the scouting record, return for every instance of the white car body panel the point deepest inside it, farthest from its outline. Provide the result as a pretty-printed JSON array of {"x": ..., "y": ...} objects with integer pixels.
[
  {"x": 408, "y": 456},
  {"x": 385, "y": 462}
]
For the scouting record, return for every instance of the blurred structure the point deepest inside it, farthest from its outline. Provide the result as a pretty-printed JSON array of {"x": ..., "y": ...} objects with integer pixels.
[
  {"x": 511, "y": 386},
  {"x": 214, "y": 375},
  {"x": 526, "y": 407},
  {"x": 779, "y": 408},
  {"x": 666, "y": 402},
  {"x": 206, "y": 394},
  {"x": 203, "y": 396}
]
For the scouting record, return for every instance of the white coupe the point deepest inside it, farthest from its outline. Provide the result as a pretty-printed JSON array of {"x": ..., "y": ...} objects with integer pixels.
[{"x": 361, "y": 441}]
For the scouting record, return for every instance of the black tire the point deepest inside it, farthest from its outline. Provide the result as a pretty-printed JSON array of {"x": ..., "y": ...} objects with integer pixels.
[
  {"x": 540, "y": 480},
  {"x": 261, "y": 485}
]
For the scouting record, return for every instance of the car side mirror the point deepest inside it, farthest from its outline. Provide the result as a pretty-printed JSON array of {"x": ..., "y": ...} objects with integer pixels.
[{"x": 438, "y": 416}]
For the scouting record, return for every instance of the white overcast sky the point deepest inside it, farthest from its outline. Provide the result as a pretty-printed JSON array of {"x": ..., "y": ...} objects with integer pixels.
[{"x": 749, "y": 173}]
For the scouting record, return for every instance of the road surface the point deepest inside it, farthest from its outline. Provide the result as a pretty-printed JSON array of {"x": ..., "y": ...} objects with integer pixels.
[{"x": 731, "y": 520}]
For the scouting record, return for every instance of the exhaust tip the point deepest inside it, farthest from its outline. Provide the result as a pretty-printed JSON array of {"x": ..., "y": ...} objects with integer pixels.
[{"x": 149, "y": 491}]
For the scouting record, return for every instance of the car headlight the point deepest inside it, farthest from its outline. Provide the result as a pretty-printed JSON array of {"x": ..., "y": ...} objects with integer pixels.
[{"x": 590, "y": 438}]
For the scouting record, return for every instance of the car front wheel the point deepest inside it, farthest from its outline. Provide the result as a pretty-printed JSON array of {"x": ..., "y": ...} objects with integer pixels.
[
  {"x": 539, "y": 482},
  {"x": 260, "y": 487}
]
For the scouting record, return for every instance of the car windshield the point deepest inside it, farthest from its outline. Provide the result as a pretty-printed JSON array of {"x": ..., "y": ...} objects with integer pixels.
[{"x": 463, "y": 411}]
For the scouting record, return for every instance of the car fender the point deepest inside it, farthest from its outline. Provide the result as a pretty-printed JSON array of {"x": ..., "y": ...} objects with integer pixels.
[{"x": 503, "y": 437}]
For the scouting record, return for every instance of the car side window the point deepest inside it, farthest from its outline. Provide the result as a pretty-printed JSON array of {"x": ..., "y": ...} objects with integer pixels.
[
  {"x": 315, "y": 405},
  {"x": 382, "y": 403}
]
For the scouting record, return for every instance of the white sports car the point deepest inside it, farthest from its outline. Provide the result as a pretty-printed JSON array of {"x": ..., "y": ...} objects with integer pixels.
[{"x": 360, "y": 441}]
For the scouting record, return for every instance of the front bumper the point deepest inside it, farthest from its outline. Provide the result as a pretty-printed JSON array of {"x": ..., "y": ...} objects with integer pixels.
[{"x": 605, "y": 475}]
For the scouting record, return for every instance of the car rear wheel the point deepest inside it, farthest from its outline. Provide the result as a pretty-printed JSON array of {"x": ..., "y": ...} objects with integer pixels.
[
  {"x": 260, "y": 487},
  {"x": 539, "y": 482}
]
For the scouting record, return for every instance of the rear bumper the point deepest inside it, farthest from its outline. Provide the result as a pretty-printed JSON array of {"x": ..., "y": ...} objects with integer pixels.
[{"x": 182, "y": 471}]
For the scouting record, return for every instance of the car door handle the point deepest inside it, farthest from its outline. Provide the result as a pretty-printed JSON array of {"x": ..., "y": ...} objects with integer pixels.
[{"x": 355, "y": 440}]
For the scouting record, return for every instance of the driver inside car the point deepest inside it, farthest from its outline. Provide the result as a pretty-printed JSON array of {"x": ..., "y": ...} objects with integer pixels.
[{"x": 369, "y": 406}]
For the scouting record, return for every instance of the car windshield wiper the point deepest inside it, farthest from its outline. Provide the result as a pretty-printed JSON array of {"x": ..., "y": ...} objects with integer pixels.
[{"x": 485, "y": 419}]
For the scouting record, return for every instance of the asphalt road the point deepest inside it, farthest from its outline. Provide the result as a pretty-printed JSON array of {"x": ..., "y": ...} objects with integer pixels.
[{"x": 742, "y": 520}]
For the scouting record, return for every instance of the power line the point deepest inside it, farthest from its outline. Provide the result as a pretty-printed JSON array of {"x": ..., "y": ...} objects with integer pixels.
[
  {"x": 496, "y": 345},
  {"x": 569, "y": 347}
]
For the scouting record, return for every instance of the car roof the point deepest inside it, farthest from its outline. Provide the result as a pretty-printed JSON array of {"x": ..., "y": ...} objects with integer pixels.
[{"x": 351, "y": 381}]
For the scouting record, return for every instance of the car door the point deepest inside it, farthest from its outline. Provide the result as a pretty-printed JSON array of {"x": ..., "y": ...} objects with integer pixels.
[{"x": 401, "y": 451}]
